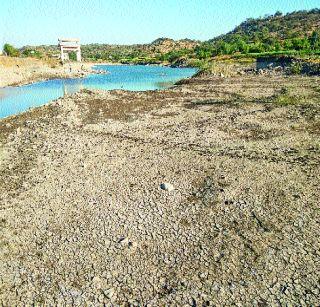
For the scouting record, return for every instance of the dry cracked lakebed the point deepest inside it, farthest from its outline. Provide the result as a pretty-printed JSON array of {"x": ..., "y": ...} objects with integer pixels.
[{"x": 84, "y": 220}]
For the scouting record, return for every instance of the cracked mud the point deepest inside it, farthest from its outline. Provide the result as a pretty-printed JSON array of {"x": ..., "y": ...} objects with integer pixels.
[{"x": 84, "y": 220}]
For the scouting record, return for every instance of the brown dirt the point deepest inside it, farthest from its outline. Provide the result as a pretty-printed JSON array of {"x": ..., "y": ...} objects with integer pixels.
[
  {"x": 84, "y": 221},
  {"x": 19, "y": 71}
]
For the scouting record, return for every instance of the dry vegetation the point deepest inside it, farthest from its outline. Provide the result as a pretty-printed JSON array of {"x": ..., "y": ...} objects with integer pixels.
[{"x": 9, "y": 62}]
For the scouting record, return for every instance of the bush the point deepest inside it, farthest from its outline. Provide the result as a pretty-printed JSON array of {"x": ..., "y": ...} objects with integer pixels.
[
  {"x": 204, "y": 51},
  {"x": 9, "y": 50},
  {"x": 314, "y": 40},
  {"x": 296, "y": 68},
  {"x": 72, "y": 56},
  {"x": 32, "y": 53}
]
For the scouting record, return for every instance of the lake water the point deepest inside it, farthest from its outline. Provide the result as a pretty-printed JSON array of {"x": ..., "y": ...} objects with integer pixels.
[{"x": 14, "y": 100}]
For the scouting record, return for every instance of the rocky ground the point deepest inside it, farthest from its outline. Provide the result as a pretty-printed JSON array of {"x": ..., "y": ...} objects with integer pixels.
[
  {"x": 84, "y": 220},
  {"x": 19, "y": 71}
]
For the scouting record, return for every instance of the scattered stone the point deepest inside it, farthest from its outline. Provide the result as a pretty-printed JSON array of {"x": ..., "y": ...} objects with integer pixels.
[
  {"x": 110, "y": 293},
  {"x": 167, "y": 186},
  {"x": 128, "y": 243},
  {"x": 18, "y": 131}
]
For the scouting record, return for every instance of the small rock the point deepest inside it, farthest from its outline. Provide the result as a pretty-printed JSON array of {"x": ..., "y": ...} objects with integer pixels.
[
  {"x": 123, "y": 241},
  {"x": 18, "y": 132},
  {"x": 128, "y": 243},
  {"x": 202, "y": 275},
  {"x": 109, "y": 293},
  {"x": 167, "y": 186}
]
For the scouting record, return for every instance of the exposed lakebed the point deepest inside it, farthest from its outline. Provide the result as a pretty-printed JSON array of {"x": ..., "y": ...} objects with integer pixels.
[{"x": 14, "y": 100}]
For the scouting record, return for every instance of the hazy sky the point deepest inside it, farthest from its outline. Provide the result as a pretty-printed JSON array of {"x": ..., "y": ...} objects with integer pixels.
[{"x": 35, "y": 22}]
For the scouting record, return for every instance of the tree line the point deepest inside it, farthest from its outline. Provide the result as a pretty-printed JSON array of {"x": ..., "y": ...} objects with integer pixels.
[{"x": 262, "y": 43}]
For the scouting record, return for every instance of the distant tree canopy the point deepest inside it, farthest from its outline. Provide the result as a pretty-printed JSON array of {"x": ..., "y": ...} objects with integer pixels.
[
  {"x": 297, "y": 31},
  {"x": 9, "y": 50},
  {"x": 277, "y": 14},
  {"x": 276, "y": 33},
  {"x": 72, "y": 56},
  {"x": 32, "y": 53},
  {"x": 260, "y": 44},
  {"x": 315, "y": 40},
  {"x": 292, "y": 33}
]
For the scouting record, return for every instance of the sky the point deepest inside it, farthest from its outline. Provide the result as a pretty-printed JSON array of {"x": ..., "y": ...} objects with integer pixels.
[{"x": 35, "y": 22}]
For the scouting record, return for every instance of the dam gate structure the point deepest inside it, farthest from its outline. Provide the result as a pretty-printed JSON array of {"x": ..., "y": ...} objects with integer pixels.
[{"x": 68, "y": 45}]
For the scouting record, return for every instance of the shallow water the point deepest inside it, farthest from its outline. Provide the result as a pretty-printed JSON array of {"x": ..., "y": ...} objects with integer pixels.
[{"x": 14, "y": 100}]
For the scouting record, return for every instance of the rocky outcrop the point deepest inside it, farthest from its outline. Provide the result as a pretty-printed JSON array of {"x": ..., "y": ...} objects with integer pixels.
[
  {"x": 287, "y": 65},
  {"x": 165, "y": 45}
]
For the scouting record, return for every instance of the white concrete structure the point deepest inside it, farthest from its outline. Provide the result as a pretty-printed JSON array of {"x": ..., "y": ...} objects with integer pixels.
[{"x": 68, "y": 45}]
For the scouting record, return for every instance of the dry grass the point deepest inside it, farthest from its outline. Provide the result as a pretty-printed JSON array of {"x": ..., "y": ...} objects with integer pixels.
[
  {"x": 26, "y": 62},
  {"x": 10, "y": 61}
]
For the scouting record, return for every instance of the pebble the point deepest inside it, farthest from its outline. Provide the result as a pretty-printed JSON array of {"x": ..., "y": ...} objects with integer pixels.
[{"x": 167, "y": 186}]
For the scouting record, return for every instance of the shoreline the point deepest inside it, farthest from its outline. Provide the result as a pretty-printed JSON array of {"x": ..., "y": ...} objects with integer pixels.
[
  {"x": 43, "y": 79},
  {"x": 78, "y": 77},
  {"x": 23, "y": 71},
  {"x": 61, "y": 73}
]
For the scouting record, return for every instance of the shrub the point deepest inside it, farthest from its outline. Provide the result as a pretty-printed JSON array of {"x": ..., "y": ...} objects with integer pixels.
[
  {"x": 9, "y": 50},
  {"x": 314, "y": 40},
  {"x": 72, "y": 56},
  {"x": 32, "y": 53},
  {"x": 296, "y": 68}
]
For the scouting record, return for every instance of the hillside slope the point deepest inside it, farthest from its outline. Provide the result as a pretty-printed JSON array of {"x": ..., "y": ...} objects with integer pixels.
[
  {"x": 138, "y": 51},
  {"x": 118, "y": 53},
  {"x": 293, "y": 25},
  {"x": 293, "y": 31}
]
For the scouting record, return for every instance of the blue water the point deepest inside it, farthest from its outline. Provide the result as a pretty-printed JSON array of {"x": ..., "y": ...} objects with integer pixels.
[{"x": 14, "y": 100}]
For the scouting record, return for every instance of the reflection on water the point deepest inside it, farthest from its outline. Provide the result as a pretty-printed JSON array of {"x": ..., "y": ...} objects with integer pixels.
[
  {"x": 14, "y": 100},
  {"x": 164, "y": 84},
  {"x": 72, "y": 88}
]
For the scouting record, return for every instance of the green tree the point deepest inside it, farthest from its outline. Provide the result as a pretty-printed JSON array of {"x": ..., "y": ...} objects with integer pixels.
[
  {"x": 98, "y": 56},
  {"x": 256, "y": 48},
  {"x": 10, "y": 50},
  {"x": 32, "y": 53},
  {"x": 314, "y": 40},
  {"x": 300, "y": 44},
  {"x": 243, "y": 47},
  {"x": 223, "y": 48},
  {"x": 72, "y": 56},
  {"x": 204, "y": 51},
  {"x": 277, "y": 46},
  {"x": 265, "y": 33},
  {"x": 288, "y": 44},
  {"x": 278, "y": 14}
]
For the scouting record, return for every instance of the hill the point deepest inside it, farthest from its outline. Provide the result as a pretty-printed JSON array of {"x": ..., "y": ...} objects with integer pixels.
[
  {"x": 138, "y": 53},
  {"x": 164, "y": 45},
  {"x": 281, "y": 27},
  {"x": 296, "y": 31}
]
